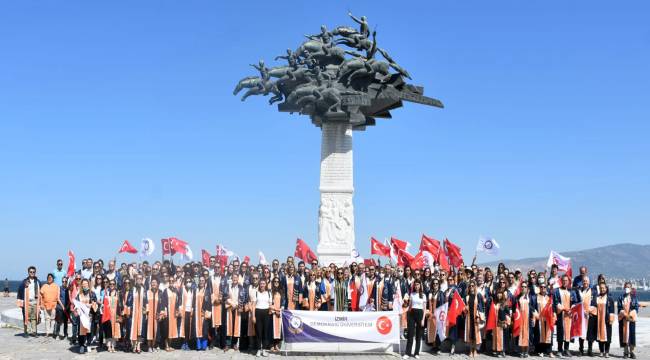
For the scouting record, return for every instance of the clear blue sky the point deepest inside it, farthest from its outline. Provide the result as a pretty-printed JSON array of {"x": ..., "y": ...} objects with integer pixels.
[{"x": 118, "y": 122}]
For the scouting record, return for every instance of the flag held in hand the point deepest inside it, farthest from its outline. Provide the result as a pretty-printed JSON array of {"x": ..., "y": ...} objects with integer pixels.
[{"x": 304, "y": 252}]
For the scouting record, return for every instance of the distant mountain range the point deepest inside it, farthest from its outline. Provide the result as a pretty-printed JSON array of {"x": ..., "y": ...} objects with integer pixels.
[{"x": 623, "y": 261}]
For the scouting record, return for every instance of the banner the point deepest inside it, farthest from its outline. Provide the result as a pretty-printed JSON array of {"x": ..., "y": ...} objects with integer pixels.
[{"x": 340, "y": 327}]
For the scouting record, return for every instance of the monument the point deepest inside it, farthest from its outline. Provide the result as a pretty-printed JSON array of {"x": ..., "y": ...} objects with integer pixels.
[{"x": 336, "y": 79}]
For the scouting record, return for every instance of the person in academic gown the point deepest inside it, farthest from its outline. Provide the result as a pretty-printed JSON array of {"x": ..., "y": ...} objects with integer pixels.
[
  {"x": 136, "y": 304},
  {"x": 436, "y": 298},
  {"x": 474, "y": 315},
  {"x": 628, "y": 307},
  {"x": 526, "y": 304},
  {"x": 292, "y": 285},
  {"x": 563, "y": 299},
  {"x": 603, "y": 313}
]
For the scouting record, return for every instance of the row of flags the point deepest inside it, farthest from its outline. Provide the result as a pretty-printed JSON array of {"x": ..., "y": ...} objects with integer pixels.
[{"x": 445, "y": 254}]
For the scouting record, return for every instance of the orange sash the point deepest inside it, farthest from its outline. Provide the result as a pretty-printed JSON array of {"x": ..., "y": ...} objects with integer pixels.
[
  {"x": 431, "y": 321},
  {"x": 152, "y": 314},
  {"x": 277, "y": 316},
  {"x": 199, "y": 314},
  {"x": 545, "y": 331},
  {"x": 290, "y": 303},
  {"x": 136, "y": 314},
  {"x": 216, "y": 297},
  {"x": 477, "y": 330},
  {"x": 233, "y": 317},
  {"x": 601, "y": 313},
  {"x": 565, "y": 296},
  {"x": 115, "y": 326},
  {"x": 172, "y": 332}
]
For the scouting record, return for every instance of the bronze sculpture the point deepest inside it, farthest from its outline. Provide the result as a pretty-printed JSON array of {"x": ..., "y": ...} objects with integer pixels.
[{"x": 329, "y": 83}]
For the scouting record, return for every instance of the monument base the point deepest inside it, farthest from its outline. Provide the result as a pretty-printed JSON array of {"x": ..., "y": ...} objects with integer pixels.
[{"x": 338, "y": 257}]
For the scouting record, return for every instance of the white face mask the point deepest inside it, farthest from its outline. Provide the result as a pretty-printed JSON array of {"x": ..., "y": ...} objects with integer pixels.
[{"x": 628, "y": 290}]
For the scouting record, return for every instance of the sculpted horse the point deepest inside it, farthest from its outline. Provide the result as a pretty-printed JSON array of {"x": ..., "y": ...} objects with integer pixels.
[{"x": 258, "y": 86}]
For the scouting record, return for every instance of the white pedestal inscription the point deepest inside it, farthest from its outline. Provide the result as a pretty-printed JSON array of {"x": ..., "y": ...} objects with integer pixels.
[{"x": 336, "y": 213}]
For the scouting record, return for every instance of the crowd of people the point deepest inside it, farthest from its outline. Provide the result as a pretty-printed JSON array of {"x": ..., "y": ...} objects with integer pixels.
[{"x": 236, "y": 306}]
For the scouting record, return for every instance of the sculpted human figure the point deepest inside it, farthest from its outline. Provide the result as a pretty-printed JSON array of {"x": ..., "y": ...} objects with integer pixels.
[
  {"x": 264, "y": 71},
  {"x": 325, "y": 36},
  {"x": 393, "y": 64},
  {"x": 364, "y": 29}
]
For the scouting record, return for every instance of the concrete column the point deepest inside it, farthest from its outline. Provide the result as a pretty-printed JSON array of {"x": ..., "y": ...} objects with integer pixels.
[{"x": 336, "y": 213}]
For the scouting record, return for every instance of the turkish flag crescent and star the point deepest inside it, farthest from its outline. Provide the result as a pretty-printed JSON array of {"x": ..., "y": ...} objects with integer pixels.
[
  {"x": 177, "y": 246},
  {"x": 377, "y": 248},
  {"x": 547, "y": 311},
  {"x": 455, "y": 309},
  {"x": 127, "y": 247},
  {"x": 304, "y": 252},
  {"x": 71, "y": 260},
  {"x": 455, "y": 257},
  {"x": 165, "y": 245}
]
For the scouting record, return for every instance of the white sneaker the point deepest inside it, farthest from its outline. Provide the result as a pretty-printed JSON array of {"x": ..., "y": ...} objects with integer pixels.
[
  {"x": 259, "y": 353},
  {"x": 417, "y": 356},
  {"x": 265, "y": 353},
  {"x": 405, "y": 356}
]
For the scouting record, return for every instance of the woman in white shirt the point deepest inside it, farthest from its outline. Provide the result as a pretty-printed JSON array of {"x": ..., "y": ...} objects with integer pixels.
[
  {"x": 262, "y": 316},
  {"x": 415, "y": 320}
]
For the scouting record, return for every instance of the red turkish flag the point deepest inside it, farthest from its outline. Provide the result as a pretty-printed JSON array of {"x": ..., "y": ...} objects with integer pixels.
[
  {"x": 166, "y": 246},
  {"x": 516, "y": 322},
  {"x": 518, "y": 289},
  {"x": 442, "y": 260},
  {"x": 547, "y": 312},
  {"x": 491, "y": 318},
  {"x": 455, "y": 257},
  {"x": 304, "y": 252},
  {"x": 404, "y": 258},
  {"x": 430, "y": 244},
  {"x": 127, "y": 247},
  {"x": 377, "y": 248},
  {"x": 455, "y": 309},
  {"x": 177, "y": 246},
  {"x": 71, "y": 269},
  {"x": 205, "y": 258},
  {"x": 398, "y": 244},
  {"x": 246, "y": 260},
  {"x": 369, "y": 262},
  {"x": 106, "y": 312},
  {"x": 419, "y": 261},
  {"x": 577, "y": 317}
]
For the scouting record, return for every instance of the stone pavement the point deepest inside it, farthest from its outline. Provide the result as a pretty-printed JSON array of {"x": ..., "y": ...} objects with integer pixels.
[{"x": 14, "y": 346}]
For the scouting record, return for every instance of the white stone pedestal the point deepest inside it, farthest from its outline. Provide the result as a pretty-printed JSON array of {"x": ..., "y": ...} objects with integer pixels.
[{"x": 336, "y": 213}]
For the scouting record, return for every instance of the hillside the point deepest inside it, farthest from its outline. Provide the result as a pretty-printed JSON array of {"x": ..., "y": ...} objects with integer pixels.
[{"x": 629, "y": 261}]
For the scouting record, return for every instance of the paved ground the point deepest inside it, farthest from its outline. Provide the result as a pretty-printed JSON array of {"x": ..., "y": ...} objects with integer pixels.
[{"x": 14, "y": 346}]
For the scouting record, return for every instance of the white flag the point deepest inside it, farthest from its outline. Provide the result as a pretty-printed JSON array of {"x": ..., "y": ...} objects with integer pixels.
[
  {"x": 84, "y": 313},
  {"x": 262, "y": 258},
  {"x": 355, "y": 257},
  {"x": 188, "y": 256},
  {"x": 441, "y": 321},
  {"x": 563, "y": 263},
  {"x": 147, "y": 247},
  {"x": 487, "y": 245}
]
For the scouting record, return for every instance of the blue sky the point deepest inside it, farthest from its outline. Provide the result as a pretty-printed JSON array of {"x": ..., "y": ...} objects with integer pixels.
[{"x": 118, "y": 122}]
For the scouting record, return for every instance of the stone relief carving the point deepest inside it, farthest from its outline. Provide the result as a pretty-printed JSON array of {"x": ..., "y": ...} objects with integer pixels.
[{"x": 336, "y": 220}]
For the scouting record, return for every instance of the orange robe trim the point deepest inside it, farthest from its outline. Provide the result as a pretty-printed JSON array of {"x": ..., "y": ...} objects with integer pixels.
[
  {"x": 277, "y": 316},
  {"x": 290, "y": 301}
]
